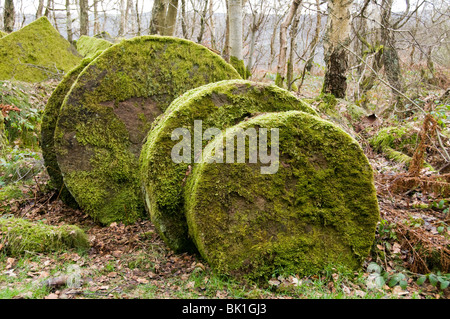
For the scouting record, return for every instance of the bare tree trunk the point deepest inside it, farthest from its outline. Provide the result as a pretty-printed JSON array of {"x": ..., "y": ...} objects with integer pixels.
[
  {"x": 69, "y": 22},
  {"x": 171, "y": 18},
  {"x": 315, "y": 40},
  {"x": 235, "y": 17},
  {"x": 123, "y": 17},
  {"x": 158, "y": 17},
  {"x": 254, "y": 29},
  {"x": 96, "y": 21},
  {"x": 131, "y": 9},
  {"x": 336, "y": 57},
  {"x": 84, "y": 17},
  {"x": 290, "y": 64},
  {"x": 391, "y": 59},
  {"x": 202, "y": 22},
  {"x": 281, "y": 68},
  {"x": 226, "y": 49},
  {"x": 40, "y": 9},
  {"x": 138, "y": 18},
  {"x": 183, "y": 19},
  {"x": 212, "y": 27},
  {"x": 9, "y": 15}
]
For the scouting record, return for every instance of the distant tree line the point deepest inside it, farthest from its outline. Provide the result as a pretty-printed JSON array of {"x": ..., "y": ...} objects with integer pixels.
[{"x": 286, "y": 37}]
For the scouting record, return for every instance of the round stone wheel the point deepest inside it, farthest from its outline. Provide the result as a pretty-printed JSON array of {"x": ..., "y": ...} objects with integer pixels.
[
  {"x": 109, "y": 110},
  {"x": 216, "y": 105},
  {"x": 317, "y": 207},
  {"x": 49, "y": 120}
]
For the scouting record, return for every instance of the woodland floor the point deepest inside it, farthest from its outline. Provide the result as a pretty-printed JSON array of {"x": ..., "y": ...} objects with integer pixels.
[{"x": 127, "y": 262}]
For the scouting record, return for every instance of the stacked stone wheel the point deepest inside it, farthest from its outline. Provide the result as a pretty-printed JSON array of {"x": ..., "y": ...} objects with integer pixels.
[
  {"x": 245, "y": 173},
  {"x": 109, "y": 110},
  {"x": 218, "y": 105}
]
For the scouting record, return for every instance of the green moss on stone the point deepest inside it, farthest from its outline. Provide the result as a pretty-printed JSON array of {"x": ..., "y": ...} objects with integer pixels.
[
  {"x": 109, "y": 110},
  {"x": 219, "y": 105},
  {"x": 49, "y": 120},
  {"x": 239, "y": 65},
  {"x": 3, "y": 34},
  {"x": 90, "y": 46},
  {"x": 319, "y": 208},
  {"x": 19, "y": 236},
  {"x": 35, "y": 53}
]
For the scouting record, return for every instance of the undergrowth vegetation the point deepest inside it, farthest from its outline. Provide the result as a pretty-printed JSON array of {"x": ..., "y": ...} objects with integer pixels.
[{"x": 409, "y": 259}]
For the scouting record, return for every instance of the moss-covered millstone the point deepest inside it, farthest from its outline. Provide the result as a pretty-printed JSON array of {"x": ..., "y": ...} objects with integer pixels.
[
  {"x": 19, "y": 236},
  {"x": 90, "y": 46},
  {"x": 35, "y": 53},
  {"x": 217, "y": 105},
  {"x": 109, "y": 110},
  {"x": 49, "y": 120},
  {"x": 318, "y": 208}
]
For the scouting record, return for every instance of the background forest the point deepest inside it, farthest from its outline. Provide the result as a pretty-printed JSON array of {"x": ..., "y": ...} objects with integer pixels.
[{"x": 380, "y": 69}]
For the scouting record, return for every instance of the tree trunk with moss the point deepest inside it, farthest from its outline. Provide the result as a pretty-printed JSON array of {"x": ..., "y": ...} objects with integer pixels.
[
  {"x": 336, "y": 37},
  {"x": 8, "y": 16}
]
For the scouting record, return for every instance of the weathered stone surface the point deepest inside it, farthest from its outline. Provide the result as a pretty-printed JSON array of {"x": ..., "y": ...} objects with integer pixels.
[
  {"x": 49, "y": 120},
  {"x": 219, "y": 105},
  {"x": 35, "y": 53},
  {"x": 109, "y": 110},
  {"x": 318, "y": 209},
  {"x": 91, "y": 46}
]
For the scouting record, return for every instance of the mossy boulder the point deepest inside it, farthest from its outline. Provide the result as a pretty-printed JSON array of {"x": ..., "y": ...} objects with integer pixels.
[
  {"x": 90, "y": 46},
  {"x": 109, "y": 110},
  {"x": 318, "y": 209},
  {"x": 217, "y": 105},
  {"x": 19, "y": 236},
  {"x": 35, "y": 53},
  {"x": 49, "y": 120},
  {"x": 3, "y": 34}
]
